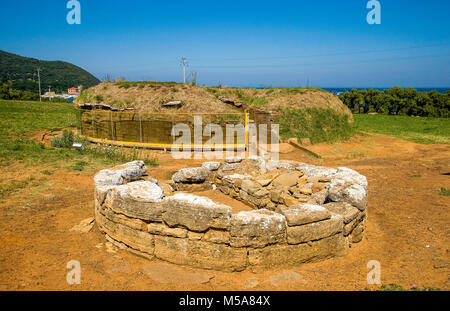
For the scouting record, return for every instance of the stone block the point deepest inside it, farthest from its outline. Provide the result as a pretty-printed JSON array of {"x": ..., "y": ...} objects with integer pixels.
[
  {"x": 315, "y": 231},
  {"x": 140, "y": 200},
  {"x": 257, "y": 228},
  {"x": 195, "y": 213},
  {"x": 162, "y": 229},
  {"x": 191, "y": 175},
  {"x": 286, "y": 256},
  {"x": 200, "y": 254},
  {"x": 304, "y": 214}
]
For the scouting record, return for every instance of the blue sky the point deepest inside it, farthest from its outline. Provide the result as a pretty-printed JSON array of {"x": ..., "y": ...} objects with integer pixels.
[{"x": 240, "y": 43}]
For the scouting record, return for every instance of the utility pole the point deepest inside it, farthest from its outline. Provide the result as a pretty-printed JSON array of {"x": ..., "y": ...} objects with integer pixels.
[
  {"x": 39, "y": 81},
  {"x": 184, "y": 63}
]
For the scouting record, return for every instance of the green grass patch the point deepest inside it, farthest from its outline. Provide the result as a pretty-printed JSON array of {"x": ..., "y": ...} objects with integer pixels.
[
  {"x": 416, "y": 176},
  {"x": 417, "y": 129},
  {"x": 444, "y": 192},
  {"x": 319, "y": 125},
  {"x": 142, "y": 84},
  {"x": 398, "y": 288},
  {"x": 20, "y": 119}
]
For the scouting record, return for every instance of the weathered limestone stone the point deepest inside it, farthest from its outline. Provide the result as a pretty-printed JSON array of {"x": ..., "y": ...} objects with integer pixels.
[
  {"x": 348, "y": 228},
  {"x": 257, "y": 228},
  {"x": 318, "y": 198},
  {"x": 284, "y": 256},
  {"x": 230, "y": 166},
  {"x": 335, "y": 189},
  {"x": 231, "y": 160},
  {"x": 234, "y": 180},
  {"x": 200, "y": 254},
  {"x": 277, "y": 164},
  {"x": 289, "y": 200},
  {"x": 348, "y": 211},
  {"x": 356, "y": 195},
  {"x": 191, "y": 175},
  {"x": 193, "y": 187},
  {"x": 116, "y": 175},
  {"x": 139, "y": 240},
  {"x": 255, "y": 161},
  {"x": 264, "y": 182},
  {"x": 315, "y": 231},
  {"x": 317, "y": 187},
  {"x": 313, "y": 170},
  {"x": 100, "y": 193},
  {"x": 318, "y": 179},
  {"x": 286, "y": 180},
  {"x": 195, "y": 213},
  {"x": 217, "y": 236},
  {"x": 351, "y": 177},
  {"x": 224, "y": 189},
  {"x": 275, "y": 195},
  {"x": 249, "y": 186},
  {"x": 133, "y": 223},
  {"x": 357, "y": 234},
  {"x": 195, "y": 235},
  {"x": 212, "y": 166},
  {"x": 108, "y": 178},
  {"x": 304, "y": 214},
  {"x": 162, "y": 229},
  {"x": 306, "y": 189},
  {"x": 261, "y": 193},
  {"x": 166, "y": 188},
  {"x": 131, "y": 171},
  {"x": 140, "y": 199}
]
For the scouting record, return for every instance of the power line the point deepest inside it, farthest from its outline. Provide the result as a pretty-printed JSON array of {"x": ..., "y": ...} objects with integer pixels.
[{"x": 323, "y": 55}]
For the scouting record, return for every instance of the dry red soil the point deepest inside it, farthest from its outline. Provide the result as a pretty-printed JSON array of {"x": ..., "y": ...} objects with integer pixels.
[{"x": 407, "y": 232}]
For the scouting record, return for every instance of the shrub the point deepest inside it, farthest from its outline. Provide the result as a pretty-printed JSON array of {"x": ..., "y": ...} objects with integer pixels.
[
  {"x": 319, "y": 125},
  {"x": 63, "y": 141}
]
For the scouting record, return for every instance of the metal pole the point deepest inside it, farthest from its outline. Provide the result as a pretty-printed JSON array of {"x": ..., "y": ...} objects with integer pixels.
[{"x": 39, "y": 81}]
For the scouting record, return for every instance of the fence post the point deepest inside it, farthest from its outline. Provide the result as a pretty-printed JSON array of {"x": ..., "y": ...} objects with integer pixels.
[
  {"x": 140, "y": 127},
  {"x": 92, "y": 119},
  {"x": 111, "y": 125}
]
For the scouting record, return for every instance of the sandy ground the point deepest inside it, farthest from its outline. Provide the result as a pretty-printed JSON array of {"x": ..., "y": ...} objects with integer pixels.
[{"x": 408, "y": 229}]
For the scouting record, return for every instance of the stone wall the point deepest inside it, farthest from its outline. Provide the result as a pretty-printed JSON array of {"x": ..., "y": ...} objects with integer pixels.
[{"x": 303, "y": 213}]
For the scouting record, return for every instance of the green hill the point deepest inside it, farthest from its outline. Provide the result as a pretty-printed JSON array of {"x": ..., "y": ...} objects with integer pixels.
[{"x": 20, "y": 73}]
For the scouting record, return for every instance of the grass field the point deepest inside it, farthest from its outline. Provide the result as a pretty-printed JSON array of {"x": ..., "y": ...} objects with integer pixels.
[
  {"x": 20, "y": 119},
  {"x": 416, "y": 129}
]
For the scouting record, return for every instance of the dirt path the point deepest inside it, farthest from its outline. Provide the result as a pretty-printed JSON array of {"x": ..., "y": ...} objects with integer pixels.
[{"x": 408, "y": 229}]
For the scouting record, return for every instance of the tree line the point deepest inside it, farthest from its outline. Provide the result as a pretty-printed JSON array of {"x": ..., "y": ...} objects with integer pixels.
[
  {"x": 8, "y": 93},
  {"x": 398, "y": 101}
]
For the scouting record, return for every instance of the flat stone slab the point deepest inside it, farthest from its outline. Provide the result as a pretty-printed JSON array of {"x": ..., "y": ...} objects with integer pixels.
[
  {"x": 115, "y": 176},
  {"x": 200, "y": 254},
  {"x": 304, "y": 214},
  {"x": 231, "y": 160},
  {"x": 348, "y": 211},
  {"x": 195, "y": 213},
  {"x": 257, "y": 228},
  {"x": 140, "y": 199},
  {"x": 284, "y": 256},
  {"x": 316, "y": 230},
  {"x": 212, "y": 166},
  {"x": 191, "y": 175}
]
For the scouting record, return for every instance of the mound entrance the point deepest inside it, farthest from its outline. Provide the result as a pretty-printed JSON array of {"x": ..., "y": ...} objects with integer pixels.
[{"x": 299, "y": 213}]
